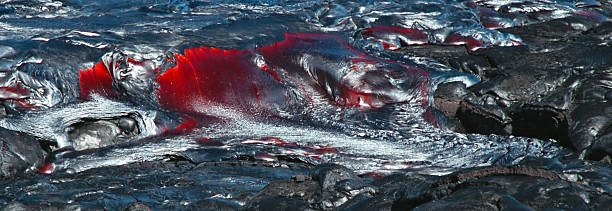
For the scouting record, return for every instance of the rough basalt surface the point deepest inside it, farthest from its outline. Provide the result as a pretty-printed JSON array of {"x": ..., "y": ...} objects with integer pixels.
[
  {"x": 19, "y": 153},
  {"x": 555, "y": 87},
  {"x": 537, "y": 184}
]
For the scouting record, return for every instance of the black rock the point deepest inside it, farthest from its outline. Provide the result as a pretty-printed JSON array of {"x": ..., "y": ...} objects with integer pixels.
[
  {"x": 286, "y": 193},
  {"x": 485, "y": 119},
  {"x": 329, "y": 174},
  {"x": 601, "y": 148},
  {"x": 213, "y": 205},
  {"x": 507, "y": 202},
  {"x": 589, "y": 124},
  {"x": 280, "y": 203},
  {"x": 448, "y": 96},
  {"x": 19, "y": 153},
  {"x": 540, "y": 122},
  {"x": 555, "y": 86}
]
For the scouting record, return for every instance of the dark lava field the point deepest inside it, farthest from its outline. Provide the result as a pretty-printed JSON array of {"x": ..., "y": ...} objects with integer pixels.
[{"x": 305, "y": 105}]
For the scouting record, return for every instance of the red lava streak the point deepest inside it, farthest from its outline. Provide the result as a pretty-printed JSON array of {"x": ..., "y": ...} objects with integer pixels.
[
  {"x": 209, "y": 75},
  {"x": 16, "y": 95},
  {"x": 324, "y": 150},
  {"x": 13, "y": 93},
  {"x": 186, "y": 126},
  {"x": 372, "y": 174},
  {"x": 96, "y": 80},
  {"x": 48, "y": 168},
  {"x": 470, "y": 43},
  {"x": 261, "y": 80}
]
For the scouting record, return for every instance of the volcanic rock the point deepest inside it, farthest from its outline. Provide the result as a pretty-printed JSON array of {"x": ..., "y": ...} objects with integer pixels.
[{"x": 19, "y": 153}]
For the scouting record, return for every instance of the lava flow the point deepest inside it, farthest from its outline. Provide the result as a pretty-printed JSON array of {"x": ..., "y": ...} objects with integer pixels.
[{"x": 276, "y": 77}]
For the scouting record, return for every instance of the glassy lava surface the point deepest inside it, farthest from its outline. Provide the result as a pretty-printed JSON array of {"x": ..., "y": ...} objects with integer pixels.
[{"x": 313, "y": 81}]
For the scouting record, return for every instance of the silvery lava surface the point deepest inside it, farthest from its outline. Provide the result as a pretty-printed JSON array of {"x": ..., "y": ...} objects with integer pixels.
[{"x": 44, "y": 43}]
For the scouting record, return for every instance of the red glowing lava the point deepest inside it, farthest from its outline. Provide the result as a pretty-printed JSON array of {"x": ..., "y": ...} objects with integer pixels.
[
  {"x": 96, "y": 80},
  {"x": 258, "y": 81},
  {"x": 213, "y": 76},
  {"x": 470, "y": 43}
]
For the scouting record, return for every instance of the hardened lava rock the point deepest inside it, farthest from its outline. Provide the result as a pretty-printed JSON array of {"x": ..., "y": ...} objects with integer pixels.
[
  {"x": 448, "y": 98},
  {"x": 535, "y": 184},
  {"x": 327, "y": 187},
  {"x": 19, "y": 153},
  {"x": 155, "y": 185},
  {"x": 554, "y": 86}
]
